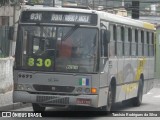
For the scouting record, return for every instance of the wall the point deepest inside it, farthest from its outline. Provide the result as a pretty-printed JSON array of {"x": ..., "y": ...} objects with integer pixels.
[{"x": 6, "y": 74}]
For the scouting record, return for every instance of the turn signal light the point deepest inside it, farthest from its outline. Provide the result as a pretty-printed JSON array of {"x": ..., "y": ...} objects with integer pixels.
[{"x": 93, "y": 90}]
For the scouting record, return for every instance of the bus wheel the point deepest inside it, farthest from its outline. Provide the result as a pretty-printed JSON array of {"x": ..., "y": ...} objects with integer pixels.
[
  {"x": 38, "y": 108},
  {"x": 138, "y": 100},
  {"x": 108, "y": 107}
]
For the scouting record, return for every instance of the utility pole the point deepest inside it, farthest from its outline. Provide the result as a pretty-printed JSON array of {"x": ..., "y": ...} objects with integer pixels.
[
  {"x": 135, "y": 9},
  {"x": 93, "y": 5},
  {"x": 13, "y": 43},
  {"x": 53, "y": 3}
]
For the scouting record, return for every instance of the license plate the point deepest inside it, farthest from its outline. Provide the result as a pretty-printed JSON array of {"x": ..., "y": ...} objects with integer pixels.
[{"x": 83, "y": 101}]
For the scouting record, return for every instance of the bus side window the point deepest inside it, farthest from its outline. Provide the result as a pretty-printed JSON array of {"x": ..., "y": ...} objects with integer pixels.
[
  {"x": 119, "y": 42},
  {"x": 153, "y": 38},
  {"x": 104, "y": 48},
  {"x": 139, "y": 43},
  {"x": 147, "y": 46},
  {"x": 151, "y": 45},
  {"x": 133, "y": 43},
  {"x": 142, "y": 41},
  {"x": 126, "y": 43},
  {"x": 136, "y": 40},
  {"x": 112, "y": 45},
  {"x": 130, "y": 40},
  {"x": 122, "y": 39}
]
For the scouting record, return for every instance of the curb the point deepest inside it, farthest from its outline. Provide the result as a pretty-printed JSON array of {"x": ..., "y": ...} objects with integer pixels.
[{"x": 14, "y": 106}]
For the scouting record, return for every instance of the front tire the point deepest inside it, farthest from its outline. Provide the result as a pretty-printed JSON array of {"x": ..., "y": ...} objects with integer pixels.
[{"x": 37, "y": 108}]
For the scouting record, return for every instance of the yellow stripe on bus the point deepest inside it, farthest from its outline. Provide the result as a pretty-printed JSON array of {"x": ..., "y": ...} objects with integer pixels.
[
  {"x": 129, "y": 88},
  {"x": 149, "y": 26},
  {"x": 140, "y": 68}
]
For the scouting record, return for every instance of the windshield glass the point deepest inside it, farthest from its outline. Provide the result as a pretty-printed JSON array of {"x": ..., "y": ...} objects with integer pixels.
[{"x": 59, "y": 49}]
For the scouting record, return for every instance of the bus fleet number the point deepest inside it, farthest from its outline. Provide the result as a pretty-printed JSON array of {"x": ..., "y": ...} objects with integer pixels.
[{"x": 39, "y": 62}]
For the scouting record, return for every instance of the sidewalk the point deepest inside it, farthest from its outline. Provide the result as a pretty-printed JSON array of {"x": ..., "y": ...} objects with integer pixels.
[
  {"x": 6, "y": 103},
  {"x": 157, "y": 83}
]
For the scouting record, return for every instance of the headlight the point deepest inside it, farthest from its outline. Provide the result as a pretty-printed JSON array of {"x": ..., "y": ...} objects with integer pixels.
[
  {"x": 87, "y": 90},
  {"x": 20, "y": 87},
  {"x": 79, "y": 90}
]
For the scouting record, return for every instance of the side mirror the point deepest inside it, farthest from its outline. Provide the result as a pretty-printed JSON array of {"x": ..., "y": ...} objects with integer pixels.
[{"x": 11, "y": 33}]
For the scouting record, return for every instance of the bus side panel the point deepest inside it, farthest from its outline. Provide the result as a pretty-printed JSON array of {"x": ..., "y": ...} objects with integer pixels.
[
  {"x": 119, "y": 90},
  {"x": 146, "y": 75},
  {"x": 133, "y": 86},
  {"x": 103, "y": 94},
  {"x": 151, "y": 67},
  {"x": 112, "y": 72},
  {"x": 103, "y": 89},
  {"x": 104, "y": 76},
  {"x": 151, "y": 74},
  {"x": 128, "y": 76}
]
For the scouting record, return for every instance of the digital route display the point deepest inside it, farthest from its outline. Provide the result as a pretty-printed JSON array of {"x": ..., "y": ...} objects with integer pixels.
[{"x": 58, "y": 17}]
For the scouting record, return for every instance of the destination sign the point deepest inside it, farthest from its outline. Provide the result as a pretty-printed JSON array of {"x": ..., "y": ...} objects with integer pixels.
[
  {"x": 71, "y": 18},
  {"x": 58, "y": 17}
]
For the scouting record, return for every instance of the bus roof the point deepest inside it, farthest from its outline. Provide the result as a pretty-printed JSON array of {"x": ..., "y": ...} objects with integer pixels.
[
  {"x": 101, "y": 14},
  {"x": 61, "y": 9},
  {"x": 125, "y": 20}
]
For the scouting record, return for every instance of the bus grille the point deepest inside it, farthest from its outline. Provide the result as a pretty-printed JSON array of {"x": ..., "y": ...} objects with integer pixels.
[
  {"x": 49, "y": 88},
  {"x": 53, "y": 100}
]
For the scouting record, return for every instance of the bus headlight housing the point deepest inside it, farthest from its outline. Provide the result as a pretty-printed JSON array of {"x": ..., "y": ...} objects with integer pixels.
[
  {"x": 83, "y": 90},
  {"x": 87, "y": 90},
  {"x": 22, "y": 87},
  {"x": 19, "y": 87},
  {"x": 79, "y": 90}
]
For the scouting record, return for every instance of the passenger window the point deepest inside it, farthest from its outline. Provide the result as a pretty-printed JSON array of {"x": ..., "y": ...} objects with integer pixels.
[
  {"x": 136, "y": 40},
  {"x": 152, "y": 45},
  {"x": 139, "y": 43},
  {"x": 133, "y": 44},
  {"x": 119, "y": 42},
  {"x": 114, "y": 33},
  {"x": 142, "y": 41},
  {"x": 122, "y": 39},
  {"x": 112, "y": 44},
  {"x": 145, "y": 44},
  {"x": 126, "y": 43}
]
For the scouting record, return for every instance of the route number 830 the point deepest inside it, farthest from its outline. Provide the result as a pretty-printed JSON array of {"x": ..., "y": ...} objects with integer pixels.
[{"x": 39, "y": 62}]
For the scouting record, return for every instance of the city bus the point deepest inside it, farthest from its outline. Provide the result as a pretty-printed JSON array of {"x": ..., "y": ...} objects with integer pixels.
[{"x": 80, "y": 57}]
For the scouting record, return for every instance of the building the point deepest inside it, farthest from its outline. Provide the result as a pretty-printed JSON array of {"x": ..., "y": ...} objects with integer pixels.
[{"x": 9, "y": 15}]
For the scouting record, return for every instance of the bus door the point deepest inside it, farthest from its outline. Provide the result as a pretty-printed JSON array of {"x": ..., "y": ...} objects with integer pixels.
[{"x": 104, "y": 39}]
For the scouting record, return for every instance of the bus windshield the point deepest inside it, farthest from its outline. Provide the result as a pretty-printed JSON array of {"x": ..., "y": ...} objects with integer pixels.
[{"x": 57, "y": 48}]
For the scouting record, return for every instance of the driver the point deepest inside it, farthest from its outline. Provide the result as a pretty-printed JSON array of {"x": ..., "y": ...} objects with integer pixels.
[{"x": 65, "y": 48}]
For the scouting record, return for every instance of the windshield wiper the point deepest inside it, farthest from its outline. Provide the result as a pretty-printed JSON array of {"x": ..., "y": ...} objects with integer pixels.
[{"x": 70, "y": 32}]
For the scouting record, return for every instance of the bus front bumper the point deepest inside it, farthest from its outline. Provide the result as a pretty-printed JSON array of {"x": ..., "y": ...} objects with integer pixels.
[{"x": 79, "y": 100}]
